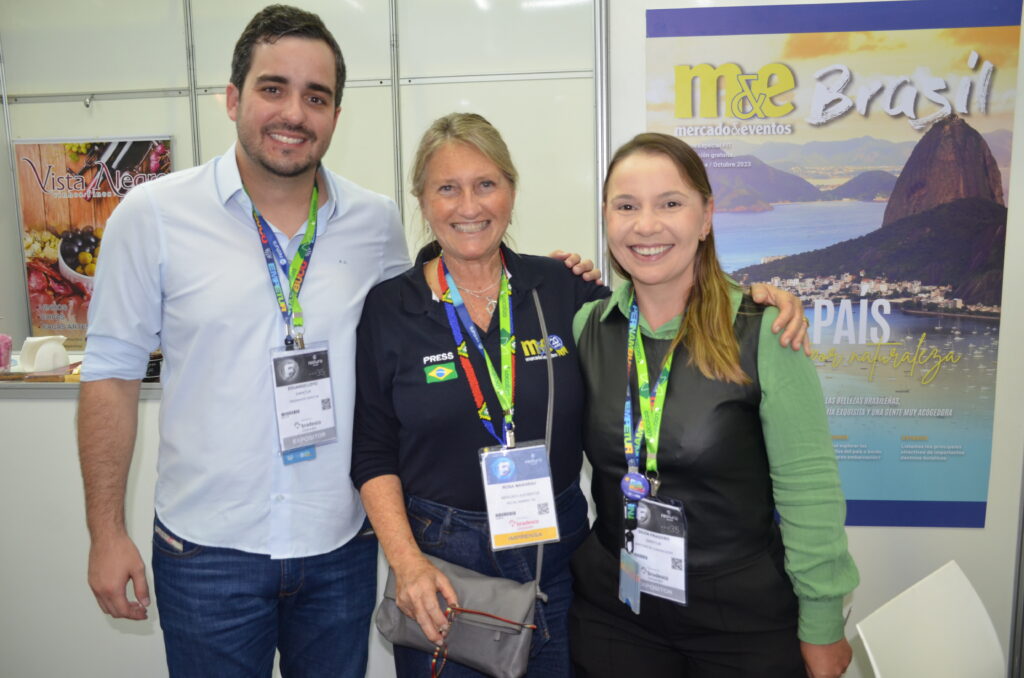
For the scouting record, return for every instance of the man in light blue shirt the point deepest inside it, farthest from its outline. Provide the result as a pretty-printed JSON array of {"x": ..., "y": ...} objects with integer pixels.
[{"x": 253, "y": 549}]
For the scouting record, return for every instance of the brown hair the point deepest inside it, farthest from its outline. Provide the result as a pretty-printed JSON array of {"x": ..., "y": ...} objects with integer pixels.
[
  {"x": 274, "y": 22},
  {"x": 706, "y": 328}
]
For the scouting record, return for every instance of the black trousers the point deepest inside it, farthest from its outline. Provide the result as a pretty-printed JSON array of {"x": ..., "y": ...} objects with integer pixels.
[{"x": 740, "y": 623}]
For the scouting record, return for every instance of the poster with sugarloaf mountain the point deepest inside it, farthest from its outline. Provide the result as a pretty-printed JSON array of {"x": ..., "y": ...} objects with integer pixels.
[{"x": 859, "y": 155}]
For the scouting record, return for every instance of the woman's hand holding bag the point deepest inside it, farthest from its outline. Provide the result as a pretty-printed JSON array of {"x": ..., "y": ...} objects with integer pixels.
[{"x": 417, "y": 585}]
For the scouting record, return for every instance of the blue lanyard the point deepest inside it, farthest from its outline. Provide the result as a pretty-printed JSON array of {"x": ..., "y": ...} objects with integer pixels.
[
  {"x": 632, "y": 441},
  {"x": 294, "y": 271},
  {"x": 504, "y": 386}
]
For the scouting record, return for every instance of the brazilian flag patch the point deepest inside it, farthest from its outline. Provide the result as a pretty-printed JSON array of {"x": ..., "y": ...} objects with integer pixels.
[{"x": 440, "y": 372}]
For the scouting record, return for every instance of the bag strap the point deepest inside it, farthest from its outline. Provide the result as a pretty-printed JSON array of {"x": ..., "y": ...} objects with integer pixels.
[{"x": 548, "y": 423}]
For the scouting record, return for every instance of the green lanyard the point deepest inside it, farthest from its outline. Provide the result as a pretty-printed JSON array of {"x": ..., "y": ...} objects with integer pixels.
[
  {"x": 291, "y": 309},
  {"x": 651, "y": 403}
]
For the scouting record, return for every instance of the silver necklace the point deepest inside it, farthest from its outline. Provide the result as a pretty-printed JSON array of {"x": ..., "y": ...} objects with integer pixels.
[
  {"x": 475, "y": 292},
  {"x": 492, "y": 302}
]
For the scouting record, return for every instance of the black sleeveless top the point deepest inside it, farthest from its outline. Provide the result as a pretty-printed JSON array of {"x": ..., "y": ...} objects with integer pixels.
[{"x": 711, "y": 454}]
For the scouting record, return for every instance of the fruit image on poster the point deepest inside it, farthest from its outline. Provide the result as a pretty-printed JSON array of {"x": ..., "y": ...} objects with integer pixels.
[
  {"x": 859, "y": 155},
  {"x": 66, "y": 191}
]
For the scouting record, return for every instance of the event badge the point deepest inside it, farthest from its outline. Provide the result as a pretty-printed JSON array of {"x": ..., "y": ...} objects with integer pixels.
[
  {"x": 659, "y": 547},
  {"x": 520, "y": 500},
  {"x": 303, "y": 401},
  {"x": 629, "y": 581}
]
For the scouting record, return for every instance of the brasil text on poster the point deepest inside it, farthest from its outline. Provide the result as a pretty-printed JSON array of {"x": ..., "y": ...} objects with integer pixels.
[{"x": 859, "y": 154}]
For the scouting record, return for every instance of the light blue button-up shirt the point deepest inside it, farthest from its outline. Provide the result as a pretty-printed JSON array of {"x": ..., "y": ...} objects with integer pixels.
[{"x": 182, "y": 270}]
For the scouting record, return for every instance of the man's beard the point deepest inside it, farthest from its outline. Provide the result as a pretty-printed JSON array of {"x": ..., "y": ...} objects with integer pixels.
[{"x": 284, "y": 168}]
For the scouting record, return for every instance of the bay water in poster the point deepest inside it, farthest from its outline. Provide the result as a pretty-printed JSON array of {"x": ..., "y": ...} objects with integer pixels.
[
  {"x": 67, "y": 190},
  {"x": 859, "y": 155}
]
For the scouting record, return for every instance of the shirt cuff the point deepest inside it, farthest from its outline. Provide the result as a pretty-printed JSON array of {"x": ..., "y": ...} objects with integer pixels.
[
  {"x": 110, "y": 358},
  {"x": 821, "y": 621}
]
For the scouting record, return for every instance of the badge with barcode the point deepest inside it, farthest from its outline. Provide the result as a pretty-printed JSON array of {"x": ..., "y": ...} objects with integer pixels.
[
  {"x": 520, "y": 499},
  {"x": 303, "y": 400},
  {"x": 659, "y": 547}
]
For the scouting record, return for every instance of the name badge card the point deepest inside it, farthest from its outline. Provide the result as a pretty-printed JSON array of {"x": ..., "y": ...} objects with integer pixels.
[
  {"x": 303, "y": 399},
  {"x": 520, "y": 500},
  {"x": 659, "y": 547}
]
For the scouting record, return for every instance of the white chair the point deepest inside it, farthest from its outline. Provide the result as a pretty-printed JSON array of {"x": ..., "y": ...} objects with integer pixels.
[{"x": 937, "y": 628}]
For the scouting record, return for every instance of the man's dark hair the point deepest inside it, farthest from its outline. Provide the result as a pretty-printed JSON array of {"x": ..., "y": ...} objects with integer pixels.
[{"x": 279, "y": 21}]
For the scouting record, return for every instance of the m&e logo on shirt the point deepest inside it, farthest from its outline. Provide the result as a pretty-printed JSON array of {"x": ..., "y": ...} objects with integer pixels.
[{"x": 440, "y": 372}]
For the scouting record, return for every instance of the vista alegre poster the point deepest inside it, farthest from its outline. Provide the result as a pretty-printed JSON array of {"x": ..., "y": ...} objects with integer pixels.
[{"x": 67, "y": 190}]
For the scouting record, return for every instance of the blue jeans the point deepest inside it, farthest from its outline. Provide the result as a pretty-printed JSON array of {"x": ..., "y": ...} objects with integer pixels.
[
  {"x": 463, "y": 538},
  {"x": 223, "y": 612}
]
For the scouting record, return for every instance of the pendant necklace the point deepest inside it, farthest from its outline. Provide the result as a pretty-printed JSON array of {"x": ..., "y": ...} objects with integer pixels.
[{"x": 492, "y": 302}]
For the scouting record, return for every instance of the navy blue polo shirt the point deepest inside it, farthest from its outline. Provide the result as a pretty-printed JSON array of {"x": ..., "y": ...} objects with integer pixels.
[{"x": 415, "y": 417}]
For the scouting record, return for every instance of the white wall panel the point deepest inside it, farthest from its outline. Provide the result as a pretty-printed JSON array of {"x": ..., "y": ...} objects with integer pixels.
[
  {"x": 120, "y": 118},
  {"x": 43, "y": 585},
  {"x": 92, "y": 45},
  {"x": 13, "y": 295},
  {"x": 362, "y": 147},
  {"x": 549, "y": 128},
  {"x": 52, "y": 626},
  {"x": 216, "y": 130},
  {"x": 361, "y": 28},
  {"x": 473, "y": 37}
]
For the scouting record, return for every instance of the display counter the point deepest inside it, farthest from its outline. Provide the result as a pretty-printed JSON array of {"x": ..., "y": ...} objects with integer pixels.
[
  {"x": 51, "y": 624},
  {"x": 57, "y": 385},
  {"x": 18, "y": 390}
]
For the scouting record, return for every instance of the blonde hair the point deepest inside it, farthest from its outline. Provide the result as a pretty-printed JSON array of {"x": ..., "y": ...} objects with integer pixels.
[
  {"x": 706, "y": 328},
  {"x": 468, "y": 128}
]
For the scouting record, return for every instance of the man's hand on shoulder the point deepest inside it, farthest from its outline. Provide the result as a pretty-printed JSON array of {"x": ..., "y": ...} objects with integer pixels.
[
  {"x": 113, "y": 562},
  {"x": 791, "y": 315},
  {"x": 578, "y": 265}
]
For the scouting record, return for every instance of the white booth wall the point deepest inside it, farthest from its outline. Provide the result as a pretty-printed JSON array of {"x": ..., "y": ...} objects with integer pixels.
[
  {"x": 528, "y": 66},
  {"x": 530, "y": 73}
]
